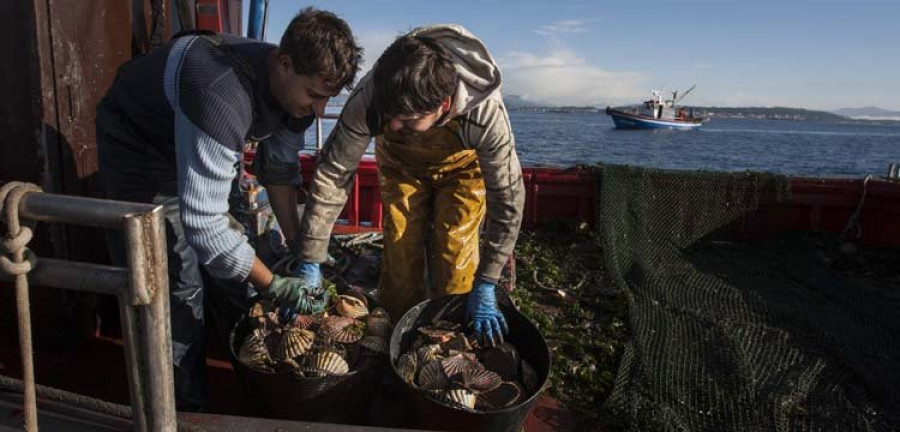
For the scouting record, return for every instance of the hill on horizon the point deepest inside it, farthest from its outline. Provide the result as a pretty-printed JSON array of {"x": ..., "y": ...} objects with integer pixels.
[{"x": 868, "y": 113}]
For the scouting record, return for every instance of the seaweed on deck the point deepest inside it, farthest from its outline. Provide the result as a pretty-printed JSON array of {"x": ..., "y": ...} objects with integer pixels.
[{"x": 562, "y": 286}]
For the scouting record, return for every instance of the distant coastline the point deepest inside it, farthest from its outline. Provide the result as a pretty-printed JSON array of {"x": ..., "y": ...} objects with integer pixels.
[
  {"x": 854, "y": 116},
  {"x": 755, "y": 113}
]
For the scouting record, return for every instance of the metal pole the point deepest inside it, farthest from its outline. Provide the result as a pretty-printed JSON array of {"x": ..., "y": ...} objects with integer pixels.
[
  {"x": 100, "y": 279},
  {"x": 142, "y": 290},
  {"x": 265, "y": 20},
  {"x": 48, "y": 207},
  {"x": 145, "y": 238},
  {"x": 318, "y": 134},
  {"x": 130, "y": 335}
]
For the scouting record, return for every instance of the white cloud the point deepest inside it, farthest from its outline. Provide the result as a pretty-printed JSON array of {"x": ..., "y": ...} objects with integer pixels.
[
  {"x": 568, "y": 26},
  {"x": 561, "y": 77}
]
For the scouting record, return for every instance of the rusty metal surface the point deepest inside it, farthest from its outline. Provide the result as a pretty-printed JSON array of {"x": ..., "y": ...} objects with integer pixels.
[{"x": 88, "y": 40}]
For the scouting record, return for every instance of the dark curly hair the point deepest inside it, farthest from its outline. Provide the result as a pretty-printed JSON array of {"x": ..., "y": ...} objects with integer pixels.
[
  {"x": 413, "y": 76},
  {"x": 318, "y": 42}
]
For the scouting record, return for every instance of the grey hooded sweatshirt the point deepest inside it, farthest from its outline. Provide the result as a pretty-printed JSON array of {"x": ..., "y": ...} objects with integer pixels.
[{"x": 485, "y": 128}]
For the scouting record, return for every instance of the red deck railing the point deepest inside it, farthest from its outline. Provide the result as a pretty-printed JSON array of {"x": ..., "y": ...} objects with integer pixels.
[{"x": 570, "y": 194}]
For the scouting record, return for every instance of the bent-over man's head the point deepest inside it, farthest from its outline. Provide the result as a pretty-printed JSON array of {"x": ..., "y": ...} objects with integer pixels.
[
  {"x": 318, "y": 56},
  {"x": 414, "y": 83}
]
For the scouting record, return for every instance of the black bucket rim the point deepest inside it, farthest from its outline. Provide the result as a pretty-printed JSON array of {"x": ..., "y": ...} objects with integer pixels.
[{"x": 506, "y": 307}]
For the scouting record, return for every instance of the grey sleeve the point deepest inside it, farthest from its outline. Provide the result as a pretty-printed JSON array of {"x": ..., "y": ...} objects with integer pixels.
[
  {"x": 489, "y": 132},
  {"x": 212, "y": 116},
  {"x": 335, "y": 169},
  {"x": 205, "y": 171}
]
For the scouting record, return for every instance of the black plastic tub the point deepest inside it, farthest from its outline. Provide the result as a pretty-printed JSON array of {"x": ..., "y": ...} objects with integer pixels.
[
  {"x": 332, "y": 399},
  {"x": 427, "y": 413}
]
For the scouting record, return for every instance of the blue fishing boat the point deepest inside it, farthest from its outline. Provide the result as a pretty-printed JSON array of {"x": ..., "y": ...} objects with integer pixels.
[{"x": 657, "y": 113}]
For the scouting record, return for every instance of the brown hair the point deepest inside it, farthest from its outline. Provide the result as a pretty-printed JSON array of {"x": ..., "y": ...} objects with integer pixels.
[
  {"x": 318, "y": 42},
  {"x": 413, "y": 76}
]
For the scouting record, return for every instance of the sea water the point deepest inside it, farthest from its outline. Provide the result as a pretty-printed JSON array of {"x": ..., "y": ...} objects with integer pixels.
[{"x": 798, "y": 148}]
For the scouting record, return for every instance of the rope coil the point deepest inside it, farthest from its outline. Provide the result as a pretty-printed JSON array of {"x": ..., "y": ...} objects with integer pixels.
[
  {"x": 19, "y": 262},
  {"x": 17, "y": 236}
]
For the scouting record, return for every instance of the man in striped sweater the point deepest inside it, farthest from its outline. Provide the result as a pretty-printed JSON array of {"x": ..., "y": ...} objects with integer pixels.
[{"x": 170, "y": 131}]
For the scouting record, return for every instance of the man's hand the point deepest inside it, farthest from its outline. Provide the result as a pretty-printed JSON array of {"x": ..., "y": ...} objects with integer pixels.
[
  {"x": 482, "y": 313},
  {"x": 296, "y": 294}
]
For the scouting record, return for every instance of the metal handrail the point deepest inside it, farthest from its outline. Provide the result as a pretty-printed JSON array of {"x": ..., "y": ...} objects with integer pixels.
[
  {"x": 319, "y": 127},
  {"x": 142, "y": 290}
]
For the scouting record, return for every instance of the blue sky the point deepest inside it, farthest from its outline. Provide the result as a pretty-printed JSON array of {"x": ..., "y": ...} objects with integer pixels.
[{"x": 824, "y": 54}]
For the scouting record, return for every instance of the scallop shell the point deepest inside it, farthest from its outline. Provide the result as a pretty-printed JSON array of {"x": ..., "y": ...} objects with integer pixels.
[
  {"x": 291, "y": 363},
  {"x": 273, "y": 341},
  {"x": 504, "y": 360},
  {"x": 305, "y": 322},
  {"x": 296, "y": 368},
  {"x": 352, "y": 333},
  {"x": 406, "y": 367},
  {"x": 482, "y": 380},
  {"x": 257, "y": 310},
  {"x": 329, "y": 362},
  {"x": 312, "y": 373},
  {"x": 342, "y": 329},
  {"x": 457, "y": 343},
  {"x": 295, "y": 342},
  {"x": 438, "y": 336},
  {"x": 429, "y": 353},
  {"x": 351, "y": 306},
  {"x": 272, "y": 318},
  {"x": 505, "y": 395},
  {"x": 432, "y": 377},
  {"x": 378, "y": 326},
  {"x": 473, "y": 342},
  {"x": 459, "y": 364},
  {"x": 446, "y": 325},
  {"x": 460, "y": 397},
  {"x": 254, "y": 353},
  {"x": 376, "y": 344}
]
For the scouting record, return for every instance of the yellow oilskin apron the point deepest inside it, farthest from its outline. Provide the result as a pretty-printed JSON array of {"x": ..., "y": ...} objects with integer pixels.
[{"x": 428, "y": 180}]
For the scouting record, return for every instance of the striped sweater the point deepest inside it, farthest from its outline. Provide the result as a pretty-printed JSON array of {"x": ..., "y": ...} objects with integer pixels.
[{"x": 175, "y": 122}]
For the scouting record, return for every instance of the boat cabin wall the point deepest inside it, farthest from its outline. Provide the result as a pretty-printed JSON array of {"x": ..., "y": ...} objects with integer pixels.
[{"x": 59, "y": 59}]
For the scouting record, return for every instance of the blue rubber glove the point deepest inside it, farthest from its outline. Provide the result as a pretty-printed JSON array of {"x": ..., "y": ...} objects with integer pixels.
[
  {"x": 310, "y": 273},
  {"x": 295, "y": 294},
  {"x": 482, "y": 313}
]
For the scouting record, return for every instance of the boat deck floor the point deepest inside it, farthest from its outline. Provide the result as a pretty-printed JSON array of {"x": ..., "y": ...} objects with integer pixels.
[{"x": 95, "y": 367}]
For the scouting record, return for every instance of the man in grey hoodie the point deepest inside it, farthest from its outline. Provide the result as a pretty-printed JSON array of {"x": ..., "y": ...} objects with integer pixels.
[{"x": 446, "y": 157}]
